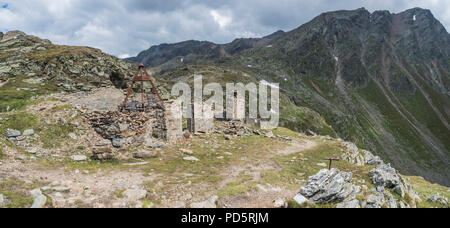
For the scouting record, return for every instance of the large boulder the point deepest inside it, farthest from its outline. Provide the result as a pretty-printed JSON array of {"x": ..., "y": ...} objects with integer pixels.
[
  {"x": 329, "y": 186},
  {"x": 385, "y": 175}
]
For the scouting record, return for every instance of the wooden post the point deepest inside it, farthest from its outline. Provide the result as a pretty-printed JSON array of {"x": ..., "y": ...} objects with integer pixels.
[{"x": 331, "y": 160}]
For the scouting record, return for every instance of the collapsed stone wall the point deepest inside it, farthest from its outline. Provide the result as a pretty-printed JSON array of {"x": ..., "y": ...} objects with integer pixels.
[{"x": 152, "y": 120}]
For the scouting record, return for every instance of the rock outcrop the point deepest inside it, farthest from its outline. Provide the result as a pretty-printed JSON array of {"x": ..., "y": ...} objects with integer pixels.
[
  {"x": 359, "y": 157},
  {"x": 70, "y": 68},
  {"x": 337, "y": 187},
  {"x": 329, "y": 186},
  {"x": 385, "y": 176}
]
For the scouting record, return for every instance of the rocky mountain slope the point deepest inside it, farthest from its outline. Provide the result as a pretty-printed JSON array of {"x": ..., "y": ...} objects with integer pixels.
[
  {"x": 381, "y": 80},
  {"x": 32, "y": 66}
]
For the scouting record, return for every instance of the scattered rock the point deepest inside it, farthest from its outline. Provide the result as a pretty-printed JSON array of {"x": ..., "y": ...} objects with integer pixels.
[
  {"x": 186, "y": 197},
  {"x": 186, "y": 134},
  {"x": 269, "y": 134},
  {"x": 117, "y": 142},
  {"x": 123, "y": 127},
  {"x": 103, "y": 143},
  {"x": 21, "y": 157},
  {"x": 32, "y": 150},
  {"x": 78, "y": 158},
  {"x": 102, "y": 153},
  {"x": 210, "y": 203},
  {"x": 145, "y": 154},
  {"x": 300, "y": 199},
  {"x": 28, "y": 132},
  {"x": 156, "y": 145},
  {"x": 262, "y": 188},
  {"x": 438, "y": 198},
  {"x": 73, "y": 136},
  {"x": 178, "y": 204},
  {"x": 191, "y": 158},
  {"x": 20, "y": 138},
  {"x": 63, "y": 189},
  {"x": 279, "y": 203},
  {"x": 62, "y": 121},
  {"x": 135, "y": 194},
  {"x": 322, "y": 164},
  {"x": 310, "y": 133},
  {"x": 434, "y": 198},
  {"x": 46, "y": 188},
  {"x": 39, "y": 201},
  {"x": 136, "y": 164},
  {"x": 12, "y": 133},
  {"x": 186, "y": 151}
]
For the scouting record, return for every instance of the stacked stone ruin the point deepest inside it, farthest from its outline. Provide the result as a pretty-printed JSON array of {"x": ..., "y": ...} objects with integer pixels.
[{"x": 138, "y": 122}]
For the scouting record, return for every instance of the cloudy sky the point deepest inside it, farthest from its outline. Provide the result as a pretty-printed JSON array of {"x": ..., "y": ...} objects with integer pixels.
[{"x": 126, "y": 27}]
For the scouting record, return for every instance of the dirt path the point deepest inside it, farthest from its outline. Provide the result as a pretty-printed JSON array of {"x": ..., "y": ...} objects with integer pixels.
[
  {"x": 265, "y": 195},
  {"x": 96, "y": 190}
]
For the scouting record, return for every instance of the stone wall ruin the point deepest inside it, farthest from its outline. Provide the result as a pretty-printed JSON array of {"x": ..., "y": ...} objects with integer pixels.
[{"x": 138, "y": 122}]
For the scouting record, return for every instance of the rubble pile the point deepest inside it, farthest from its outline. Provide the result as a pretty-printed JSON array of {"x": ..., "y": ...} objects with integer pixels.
[
  {"x": 232, "y": 128},
  {"x": 133, "y": 121},
  {"x": 111, "y": 125}
]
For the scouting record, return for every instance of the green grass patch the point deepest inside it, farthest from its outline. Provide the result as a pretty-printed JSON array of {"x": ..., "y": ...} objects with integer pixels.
[
  {"x": 426, "y": 189},
  {"x": 18, "y": 121},
  {"x": 16, "y": 193},
  {"x": 17, "y": 94},
  {"x": 54, "y": 134},
  {"x": 243, "y": 184}
]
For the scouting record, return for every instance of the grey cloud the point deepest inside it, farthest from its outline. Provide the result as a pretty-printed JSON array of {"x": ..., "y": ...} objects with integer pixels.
[{"x": 128, "y": 27}]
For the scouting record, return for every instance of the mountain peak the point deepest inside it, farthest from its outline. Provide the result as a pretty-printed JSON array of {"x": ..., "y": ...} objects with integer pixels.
[{"x": 275, "y": 34}]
